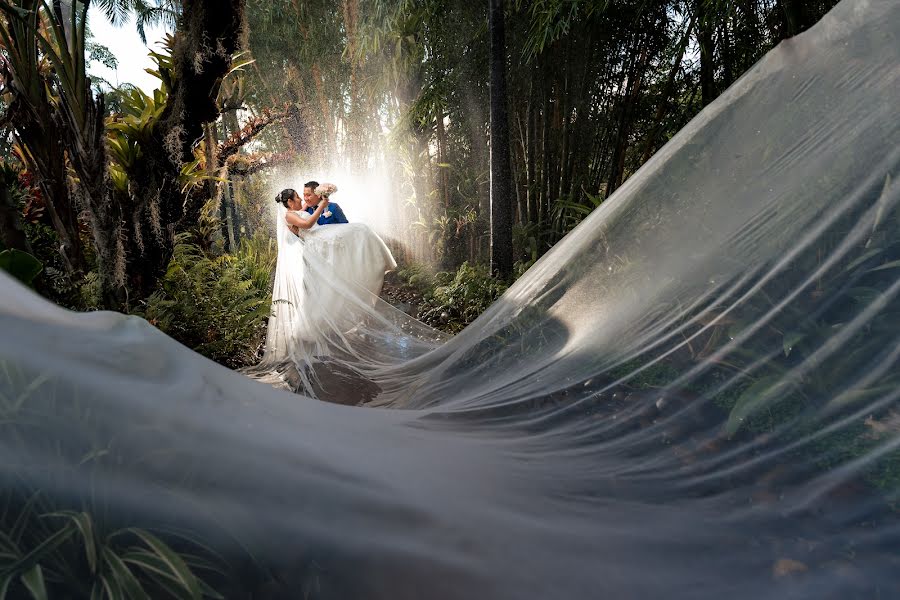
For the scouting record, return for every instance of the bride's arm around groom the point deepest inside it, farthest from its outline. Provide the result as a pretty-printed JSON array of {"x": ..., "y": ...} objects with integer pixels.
[
  {"x": 294, "y": 216},
  {"x": 311, "y": 198}
]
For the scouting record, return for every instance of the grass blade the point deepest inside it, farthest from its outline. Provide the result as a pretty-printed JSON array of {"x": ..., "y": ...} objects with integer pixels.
[
  {"x": 173, "y": 561},
  {"x": 34, "y": 581},
  {"x": 123, "y": 575},
  {"x": 83, "y": 523}
]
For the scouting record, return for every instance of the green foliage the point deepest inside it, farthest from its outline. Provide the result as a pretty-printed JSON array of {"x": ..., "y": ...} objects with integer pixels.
[
  {"x": 567, "y": 213},
  {"x": 552, "y": 19},
  {"x": 453, "y": 299},
  {"x": 90, "y": 295},
  {"x": 45, "y": 554},
  {"x": 67, "y": 54},
  {"x": 101, "y": 54},
  {"x": 458, "y": 298},
  {"x": 147, "y": 13},
  {"x": 21, "y": 265},
  {"x": 446, "y": 231},
  {"x": 216, "y": 305},
  {"x": 595, "y": 87},
  {"x": 130, "y": 131},
  {"x": 43, "y": 267},
  {"x": 418, "y": 276},
  {"x": 73, "y": 547},
  {"x": 526, "y": 246},
  {"x": 807, "y": 357},
  {"x": 856, "y": 283},
  {"x": 250, "y": 195},
  {"x": 54, "y": 281},
  {"x": 641, "y": 376}
]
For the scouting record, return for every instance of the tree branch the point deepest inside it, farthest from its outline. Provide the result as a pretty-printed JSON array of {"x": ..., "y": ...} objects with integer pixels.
[
  {"x": 253, "y": 128},
  {"x": 250, "y": 164}
]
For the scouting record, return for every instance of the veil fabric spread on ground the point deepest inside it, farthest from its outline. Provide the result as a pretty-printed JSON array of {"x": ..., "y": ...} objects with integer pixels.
[{"x": 696, "y": 394}]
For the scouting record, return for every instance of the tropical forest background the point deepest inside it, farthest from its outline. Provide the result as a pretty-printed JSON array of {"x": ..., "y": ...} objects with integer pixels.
[{"x": 160, "y": 204}]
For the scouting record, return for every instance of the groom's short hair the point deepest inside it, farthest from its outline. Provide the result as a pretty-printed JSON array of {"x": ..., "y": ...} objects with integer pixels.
[{"x": 311, "y": 185}]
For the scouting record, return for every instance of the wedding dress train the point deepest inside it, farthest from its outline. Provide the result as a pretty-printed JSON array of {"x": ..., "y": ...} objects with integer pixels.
[
  {"x": 694, "y": 394},
  {"x": 325, "y": 298}
]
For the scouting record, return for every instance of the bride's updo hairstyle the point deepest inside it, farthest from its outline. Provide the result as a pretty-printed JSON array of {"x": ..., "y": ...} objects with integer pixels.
[{"x": 285, "y": 195}]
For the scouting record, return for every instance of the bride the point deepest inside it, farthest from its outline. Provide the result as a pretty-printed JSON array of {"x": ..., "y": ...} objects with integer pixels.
[
  {"x": 329, "y": 335},
  {"x": 326, "y": 279}
]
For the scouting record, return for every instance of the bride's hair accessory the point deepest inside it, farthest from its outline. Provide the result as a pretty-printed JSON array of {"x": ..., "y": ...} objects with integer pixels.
[{"x": 284, "y": 195}]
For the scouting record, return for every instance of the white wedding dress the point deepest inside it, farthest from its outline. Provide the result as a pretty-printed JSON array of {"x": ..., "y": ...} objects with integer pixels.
[
  {"x": 325, "y": 304},
  {"x": 325, "y": 277}
]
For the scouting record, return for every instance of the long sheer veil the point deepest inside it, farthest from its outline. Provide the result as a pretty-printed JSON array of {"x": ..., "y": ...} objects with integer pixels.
[{"x": 695, "y": 394}]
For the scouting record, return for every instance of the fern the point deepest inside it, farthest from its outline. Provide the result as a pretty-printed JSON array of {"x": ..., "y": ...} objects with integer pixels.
[
  {"x": 458, "y": 298},
  {"x": 216, "y": 305}
]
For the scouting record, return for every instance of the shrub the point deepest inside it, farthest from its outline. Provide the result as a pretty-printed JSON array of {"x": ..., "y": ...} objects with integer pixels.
[
  {"x": 216, "y": 305},
  {"x": 457, "y": 299}
]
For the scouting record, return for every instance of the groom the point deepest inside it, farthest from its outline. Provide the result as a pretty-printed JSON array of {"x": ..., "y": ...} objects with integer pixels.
[{"x": 310, "y": 200}]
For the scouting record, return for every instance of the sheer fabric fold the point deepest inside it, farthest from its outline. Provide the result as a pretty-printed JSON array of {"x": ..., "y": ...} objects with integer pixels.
[{"x": 696, "y": 394}]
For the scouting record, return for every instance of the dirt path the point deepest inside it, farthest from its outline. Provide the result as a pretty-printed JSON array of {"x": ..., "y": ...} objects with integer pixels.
[{"x": 401, "y": 295}]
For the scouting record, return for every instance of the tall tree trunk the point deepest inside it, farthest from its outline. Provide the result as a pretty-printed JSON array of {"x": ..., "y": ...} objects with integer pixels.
[
  {"x": 663, "y": 106},
  {"x": 86, "y": 145},
  {"x": 564, "y": 113},
  {"x": 443, "y": 174},
  {"x": 727, "y": 63},
  {"x": 612, "y": 102},
  {"x": 501, "y": 192},
  {"x": 210, "y": 144},
  {"x": 43, "y": 152},
  {"x": 705, "y": 26},
  {"x": 541, "y": 187},
  {"x": 232, "y": 217},
  {"x": 230, "y": 236},
  {"x": 794, "y": 17},
  {"x": 635, "y": 78},
  {"x": 351, "y": 20},
  {"x": 327, "y": 117},
  {"x": 573, "y": 172},
  {"x": 208, "y": 34},
  {"x": 81, "y": 116},
  {"x": 519, "y": 210},
  {"x": 530, "y": 175},
  {"x": 520, "y": 168},
  {"x": 554, "y": 157},
  {"x": 59, "y": 203},
  {"x": 418, "y": 149}
]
